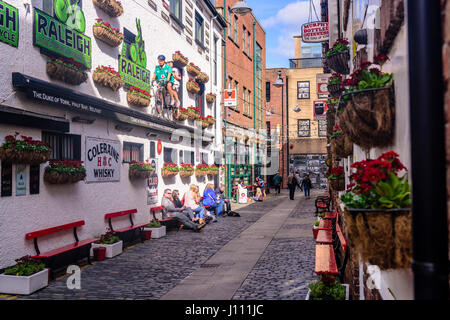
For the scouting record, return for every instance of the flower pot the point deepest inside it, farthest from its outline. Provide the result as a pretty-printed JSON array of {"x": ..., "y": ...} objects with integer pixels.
[
  {"x": 99, "y": 253},
  {"x": 315, "y": 231},
  {"x": 137, "y": 100},
  {"x": 157, "y": 232},
  {"x": 111, "y": 7},
  {"x": 107, "y": 80},
  {"x": 341, "y": 146},
  {"x": 339, "y": 62},
  {"x": 335, "y": 89},
  {"x": 192, "y": 70},
  {"x": 337, "y": 184},
  {"x": 201, "y": 173},
  {"x": 23, "y": 284},
  {"x": 347, "y": 292},
  {"x": 382, "y": 236},
  {"x": 368, "y": 117},
  {"x": 192, "y": 88},
  {"x": 331, "y": 120},
  {"x": 140, "y": 174},
  {"x": 106, "y": 35},
  {"x": 112, "y": 250},
  {"x": 147, "y": 234},
  {"x": 23, "y": 156},
  {"x": 58, "y": 71},
  {"x": 182, "y": 61},
  {"x": 185, "y": 173}
]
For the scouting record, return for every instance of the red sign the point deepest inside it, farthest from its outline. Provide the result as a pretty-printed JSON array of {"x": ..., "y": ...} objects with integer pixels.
[
  {"x": 230, "y": 98},
  {"x": 315, "y": 32},
  {"x": 320, "y": 109},
  {"x": 159, "y": 147}
]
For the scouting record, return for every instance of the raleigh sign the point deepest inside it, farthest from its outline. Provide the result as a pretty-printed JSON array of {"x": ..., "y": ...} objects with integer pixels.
[
  {"x": 102, "y": 160},
  {"x": 315, "y": 32},
  {"x": 9, "y": 24}
]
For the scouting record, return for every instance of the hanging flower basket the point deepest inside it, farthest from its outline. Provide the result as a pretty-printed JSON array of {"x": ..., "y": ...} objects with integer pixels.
[
  {"x": 341, "y": 146},
  {"x": 64, "y": 172},
  {"x": 186, "y": 170},
  {"x": 107, "y": 77},
  {"x": 210, "y": 98},
  {"x": 193, "y": 70},
  {"x": 138, "y": 97},
  {"x": 181, "y": 59},
  {"x": 213, "y": 170},
  {"x": 337, "y": 184},
  {"x": 25, "y": 151},
  {"x": 369, "y": 117},
  {"x": 339, "y": 62},
  {"x": 202, "y": 77},
  {"x": 211, "y": 121},
  {"x": 140, "y": 170},
  {"x": 205, "y": 123},
  {"x": 193, "y": 113},
  {"x": 107, "y": 33},
  {"x": 181, "y": 114},
  {"x": 66, "y": 70},
  {"x": 192, "y": 87},
  {"x": 112, "y": 7},
  {"x": 201, "y": 170},
  {"x": 169, "y": 169},
  {"x": 331, "y": 119},
  {"x": 334, "y": 85}
]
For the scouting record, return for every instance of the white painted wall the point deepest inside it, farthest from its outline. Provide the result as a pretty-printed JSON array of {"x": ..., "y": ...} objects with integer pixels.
[{"x": 61, "y": 204}]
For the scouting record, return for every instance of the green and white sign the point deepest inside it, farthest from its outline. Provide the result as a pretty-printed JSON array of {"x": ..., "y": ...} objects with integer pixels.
[
  {"x": 9, "y": 24},
  {"x": 133, "y": 61},
  {"x": 64, "y": 36}
]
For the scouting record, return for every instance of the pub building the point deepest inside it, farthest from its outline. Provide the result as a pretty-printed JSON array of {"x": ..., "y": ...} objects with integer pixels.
[{"x": 59, "y": 84}]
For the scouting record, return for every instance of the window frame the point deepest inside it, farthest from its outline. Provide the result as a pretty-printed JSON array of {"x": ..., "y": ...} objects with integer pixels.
[
  {"x": 60, "y": 140},
  {"x": 172, "y": 152},
  {"x": 298, "y": 90},
  {"x": 132, "y": 144},
  {"x": 201, "y": 25},
  {"x": 178, "y": 18},
  {"x": 267, "y": 91},
  {"x": 324, "y": 123},
  {"x": 298, "y": 128},
  {"x": 235, "y": 29}
]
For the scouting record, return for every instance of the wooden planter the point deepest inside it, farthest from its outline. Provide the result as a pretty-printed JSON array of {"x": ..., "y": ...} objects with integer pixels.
[
  {"x": 331, "y": 119},
  {"x": 335, "y": 89},
  {"x": 201, "y": 173},
  {"x": 24, "y": 156},
  {"x": 106, "y": 35},
  {"x": 337, "y": 184},
  {"x": 137, "y": 100},
  {"x": 339, "y": 62},
  {"x": 58, "y": 71},
  {"x": 182, "y": 61},
  {"x": 202, "y": 77},
  {"x": 369, "y": 117},
  {"x": 185, "y": 173},
  {"x": 140, "y": 174},
  {"x": 211, "y": 122},
  {"x": 205, "y": 124},
  {"x": 107, "y": 80},
  {"x": 181, "y": 116},
  {"x": 193, "y": 71},
  {"x": 210, "y": 98},
  {"x": 192, "y": 88},
  {"x": 382, "y": 236},
  {"x": 192, "y": 115},
  {"x": 213, "y": 172},
  {"x": 341, "y": 146},
  {"x": 167, "y": 174},
  {"x": 54, "y": 177},
  {"x": 111, "y": 7}
]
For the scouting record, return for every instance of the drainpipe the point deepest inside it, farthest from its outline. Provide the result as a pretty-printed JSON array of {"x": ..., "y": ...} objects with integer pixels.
[
  {"x": 254, "y": 101},
  {"x": 287, "y": 125},
  {"x": 428, "y": 169},
  {"x": 225, "y": 32}
]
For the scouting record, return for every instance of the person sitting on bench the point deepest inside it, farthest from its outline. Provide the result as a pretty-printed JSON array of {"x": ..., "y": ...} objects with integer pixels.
[
  {"x": 169, "y": 208},
  {"x": 178, "y": 204},
  {"x": 210, "y": 200},
  {"x": 259, "y": 195},
  {"x": 220, "y": 195}
]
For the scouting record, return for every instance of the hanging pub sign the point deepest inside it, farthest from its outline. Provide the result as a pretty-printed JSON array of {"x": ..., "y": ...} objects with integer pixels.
[
  {"x": 103, "y": 158},
  {"x": 63, "y": 34},
  {"x": 9, "y": 24},
  {"x": 133, "y": 61},
  {"x": 320, "y": 109},
  {"x": 315, "y": 32}
]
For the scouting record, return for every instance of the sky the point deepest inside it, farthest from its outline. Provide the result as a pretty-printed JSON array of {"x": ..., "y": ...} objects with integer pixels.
[{"x": 282, "y": 19}]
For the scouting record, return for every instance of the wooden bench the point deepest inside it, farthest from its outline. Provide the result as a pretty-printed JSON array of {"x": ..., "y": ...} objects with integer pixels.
[
  {"x": 325, "y": 236},
  {"x": 63, "y": 256},
  {"x": 325, "y": 260},
  {"x": 128, "y": 234},
  {"x": 322, "y": 203},
  {"x": 168, "y": 222},
  {"x": 325, "y": 225}
]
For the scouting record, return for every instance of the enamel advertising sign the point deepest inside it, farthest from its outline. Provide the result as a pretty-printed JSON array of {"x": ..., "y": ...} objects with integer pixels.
[
  {"x": 103, "y": 159},
  {"x": 315, "y": 32}
]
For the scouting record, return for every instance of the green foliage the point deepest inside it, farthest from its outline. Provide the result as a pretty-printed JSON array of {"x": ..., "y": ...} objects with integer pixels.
[
  {"x": 153, "y": 224},
  {"x": 108, "y": 238},
  {"x": 371, "y": 80},
  {"x": 316, "y": 223},
  {"x": 26, "y": 266},
  {"x": 326, "y": 290},
  {"x": 321, "y": 214},
  {"x": 393, "y": 193}
]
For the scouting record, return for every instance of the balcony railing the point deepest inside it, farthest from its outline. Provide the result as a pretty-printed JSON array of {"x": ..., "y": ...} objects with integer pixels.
[{"x": 305, "y": 63}]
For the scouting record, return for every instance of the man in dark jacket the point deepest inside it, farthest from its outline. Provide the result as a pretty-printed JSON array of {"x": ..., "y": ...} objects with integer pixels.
[
  {"x": 277, "y": 182},
  {"x": 220, "y": 194},
  {"x": 306, "y": 185},
  {"x": 177, "y": 213}
]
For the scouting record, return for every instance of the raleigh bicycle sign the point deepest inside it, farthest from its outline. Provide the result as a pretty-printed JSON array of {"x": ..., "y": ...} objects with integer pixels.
[{"x": 9, "y": 24}]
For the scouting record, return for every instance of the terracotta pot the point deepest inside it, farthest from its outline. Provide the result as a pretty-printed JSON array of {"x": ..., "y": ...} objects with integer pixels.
[
  {"x": 180, "y": 59},
  {"x": 111, "y": 7},
  {"x": 109, "y": 37}
]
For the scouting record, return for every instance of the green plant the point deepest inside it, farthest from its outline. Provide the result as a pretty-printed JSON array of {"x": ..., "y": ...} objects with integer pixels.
[
  {"x": 108, "y": 238},
  {"x": 327, "y": 288},
  {"x": 153, "y": 224},
  {"x": 27, "y": 143},
  {"x": 340, "y": 45},
  {"x": 321, "y": 214},
  {"x": 141, "y": 166},
  {"x": 66, "y": 166},
  {"x": 394, "y": 192},
  {"x": 25, "y": 266},
  {"x": 366, "y": 78},
  {"x": 316, "y": 223}
]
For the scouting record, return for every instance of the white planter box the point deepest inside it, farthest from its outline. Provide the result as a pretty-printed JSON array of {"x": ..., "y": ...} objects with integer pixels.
[
  {"x": 157, "y": 232},
  {"x": 347, "y": 292},
  {"x": 112, "y": 250},
  {"x": 23, "y": 285}
]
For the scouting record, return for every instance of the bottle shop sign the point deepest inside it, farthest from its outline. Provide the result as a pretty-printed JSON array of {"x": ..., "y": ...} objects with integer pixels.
[{"x": 315, "y": 32}]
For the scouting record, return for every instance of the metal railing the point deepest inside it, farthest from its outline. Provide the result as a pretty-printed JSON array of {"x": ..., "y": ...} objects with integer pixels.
[{"x": 301, "y": 63}]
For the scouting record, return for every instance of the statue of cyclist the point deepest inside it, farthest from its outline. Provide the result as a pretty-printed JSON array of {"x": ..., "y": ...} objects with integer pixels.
[{"x": 163, "y": 75}]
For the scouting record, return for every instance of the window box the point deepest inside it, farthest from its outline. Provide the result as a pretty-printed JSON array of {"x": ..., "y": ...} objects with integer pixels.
[
  {"x": 140, "y": 170},
  {"x": 66, "y": 70},
  {"x": 107, "y": 77},
  {"x": 180, "y": 58},
  {"x": 24, "y": 285},
  {"x": 32, "y": 151},
  {"x": 112, "y": 7},
  {"x": 202, "y": 77},
  {"x": 193, "y": 70},
  {"x": 64, "y": 172},
  {"x": 106, "y": 33},
  {"x": 138, "y": 97}
]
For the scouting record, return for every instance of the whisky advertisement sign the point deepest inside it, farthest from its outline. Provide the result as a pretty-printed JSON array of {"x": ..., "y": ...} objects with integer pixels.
[{"x": 103, "y": 159}]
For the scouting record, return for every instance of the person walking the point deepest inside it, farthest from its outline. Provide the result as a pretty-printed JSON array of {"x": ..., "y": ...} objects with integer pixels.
[
  {"x": 277, "y": 179},
  {"x": 307, "y": 185},
  {"x": 292, "y": 183},
  {"x": 298, "y": 179}
]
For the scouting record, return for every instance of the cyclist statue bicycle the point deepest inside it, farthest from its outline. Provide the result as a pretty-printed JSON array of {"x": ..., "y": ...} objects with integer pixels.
[{"x": 164, "y": 76}]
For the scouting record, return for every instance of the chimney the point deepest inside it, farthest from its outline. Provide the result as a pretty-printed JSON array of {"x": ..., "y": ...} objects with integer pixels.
[{"x": 298, "y": 47}]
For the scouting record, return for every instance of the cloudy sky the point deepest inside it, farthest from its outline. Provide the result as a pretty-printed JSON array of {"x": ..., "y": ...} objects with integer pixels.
[{"x": 282, "y": 19}]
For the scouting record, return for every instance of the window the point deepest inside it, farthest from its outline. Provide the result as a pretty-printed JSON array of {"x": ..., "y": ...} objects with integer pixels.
[
  {"x": 302, "y": 89},
  {"x": 248, "y": 43},
  {"x": 230, "y": 83},
  {"x": 189, "y": 157},
  {"x": 268, "y": 91},
  {"x": 152, "y": 149},
  {"x": 249, "y": 101},
  {"x": 323, "y": 127},
  {"x": 304, "y": 128},
  {"x": 133, "y": 152},
  {"x": 229, "y": 22},
  {"x": 170, "y": 155},
  {"x": 175, "y": 9},
  {"x": 236, "y": 86},
  {"x": 245, "y": 100},
  {"x": 204, "y": 157},
  {"x": 215, "y": 59},
  {"x": 268, "y": 129},
  {"x": 235, "y": 29},
  {"x": 243, "y": 38},
  {"x": 64, "y": 146},
  {"x": 199, "y": 28}
]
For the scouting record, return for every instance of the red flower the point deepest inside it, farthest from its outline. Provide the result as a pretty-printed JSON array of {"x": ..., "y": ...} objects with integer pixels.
[
  {"x": 380, "y": 59},
  {"x": 366, "y": 64}
]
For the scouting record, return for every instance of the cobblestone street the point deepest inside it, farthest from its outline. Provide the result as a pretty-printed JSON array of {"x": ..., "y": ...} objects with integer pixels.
[{"x": 157, "y": 267}]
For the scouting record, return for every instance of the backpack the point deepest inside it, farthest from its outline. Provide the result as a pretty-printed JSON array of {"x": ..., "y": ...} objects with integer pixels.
[{"x": 233, "y": 214}]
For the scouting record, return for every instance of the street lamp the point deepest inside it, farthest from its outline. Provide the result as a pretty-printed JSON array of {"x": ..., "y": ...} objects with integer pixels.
[
  {"x": 279, "y": 83},
  {"x": 240, "y": 8}
]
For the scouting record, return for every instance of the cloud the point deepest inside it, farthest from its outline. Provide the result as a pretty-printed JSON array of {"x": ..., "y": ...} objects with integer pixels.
[{"x": 293, "y": 14}]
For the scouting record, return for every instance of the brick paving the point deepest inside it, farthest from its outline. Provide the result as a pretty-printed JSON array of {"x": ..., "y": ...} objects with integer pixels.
[{"x": 151, "y": 269}]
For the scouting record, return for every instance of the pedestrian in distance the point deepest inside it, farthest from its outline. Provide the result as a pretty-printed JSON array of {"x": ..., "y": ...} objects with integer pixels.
[
  {"x": 298, "y": 179},
  {"x": 277, "y": 179},
  {"x": 292, "y": 183},
  {"x": 307, "y": 185},
  {"x": 260, "y": 183}
]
